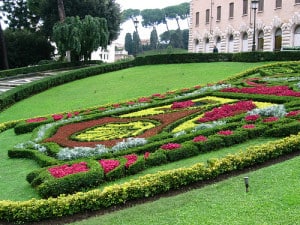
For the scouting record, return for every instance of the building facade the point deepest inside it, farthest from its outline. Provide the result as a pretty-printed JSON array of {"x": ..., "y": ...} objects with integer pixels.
[{"x": 229, "y": 25}]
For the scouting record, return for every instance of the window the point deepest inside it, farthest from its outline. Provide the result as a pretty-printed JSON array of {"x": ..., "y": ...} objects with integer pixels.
[
  {"x": 231, "y": 9},
  {"x": 245, "y": 7},
  {"x": 218, "y": 13},
  {"x": 278, "y": 40},
  {"x": 197, "y": 18},
  {"x": 278, "y": 3},
  {"x": 297, "y": 1},
  {"x": 261, "y": 5},
  {"x": 207, "y": 16}
]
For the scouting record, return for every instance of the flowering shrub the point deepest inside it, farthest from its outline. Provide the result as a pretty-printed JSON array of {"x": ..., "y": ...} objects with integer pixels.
[
  {"x": 200, "y": 138},
  {"x": 130, "y": 159},
  {"x": 146, "y": 155},
  {"x": 273, "y": 90},
  {"x": 227, "y": 111},
  {"x": 109, "y": 164},
  {"x": 274, "y": 110},
  {"x": 180, "y": 105},
  {"x": 57, "y": 117},
  {"x": 270, "y": 119},
  {"x": 293, "y": 113},
  {"x": 36, "y": 120},
  {"x": 64, "y": 170},
  {"x": 225, "y": 132},
  {"x": 249, "y": 126},
  {"x": 252, "y": 118},
  {"x": 170, "y": 146}
]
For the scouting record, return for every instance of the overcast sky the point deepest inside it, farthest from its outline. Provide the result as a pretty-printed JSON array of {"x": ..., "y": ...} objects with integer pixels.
[{"x": 148, "y": 4}]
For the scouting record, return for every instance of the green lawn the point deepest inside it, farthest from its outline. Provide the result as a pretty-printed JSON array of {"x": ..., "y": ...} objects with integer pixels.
[
  {"x": 273, "y": 199},
  {"x": 121, "y": 86}
]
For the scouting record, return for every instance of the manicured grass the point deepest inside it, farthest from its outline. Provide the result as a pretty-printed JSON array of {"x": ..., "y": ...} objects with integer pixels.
[
  {"x": 121, "y": 86},
  {"x": 273, "y": 199}
]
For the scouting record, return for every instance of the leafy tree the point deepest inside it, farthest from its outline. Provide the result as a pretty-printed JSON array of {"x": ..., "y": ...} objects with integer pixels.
[
  {"x": 18, "y": 15},
  {"x": 129, "y": 43},
  {"x": 26, "y": 48},
  {"x": 130, "y": 14},
  {"x": 136, "y": 48},
  {"x": 176, "y": 39},
  {"x": 153, "y": 39},
  {"x": 81, "y": 37},
  {"x": 152, "y": 17},
  {"x": 47, "y": 10}
]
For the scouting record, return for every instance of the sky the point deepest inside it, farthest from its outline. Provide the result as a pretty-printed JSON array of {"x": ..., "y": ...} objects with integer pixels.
[
  {"x": 148, "y": 4},
  {"x": 144, "y": 33}
]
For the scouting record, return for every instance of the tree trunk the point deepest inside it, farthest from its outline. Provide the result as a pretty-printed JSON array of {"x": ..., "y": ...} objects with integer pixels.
[
  {"x": 61, "y": 10},
  {"x": 3, "y": 51}
]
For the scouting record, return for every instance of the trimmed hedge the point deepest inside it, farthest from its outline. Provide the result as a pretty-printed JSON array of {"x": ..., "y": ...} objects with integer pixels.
[{"x": 149, "y": 185}]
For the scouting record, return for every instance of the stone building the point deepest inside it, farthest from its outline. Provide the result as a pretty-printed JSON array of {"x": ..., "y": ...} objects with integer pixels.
[{"x": 230, "y": 25}]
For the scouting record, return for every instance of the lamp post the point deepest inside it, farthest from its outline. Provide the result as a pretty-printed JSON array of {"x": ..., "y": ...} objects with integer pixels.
[
  {"x": 136, "y": 23},
  {"x": 254, "y": 6}
]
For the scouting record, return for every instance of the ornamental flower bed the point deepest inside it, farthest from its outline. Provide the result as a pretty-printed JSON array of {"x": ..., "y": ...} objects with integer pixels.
[
  {"x": 200, "y": 138},
  {"x": 36, "y": 120},
  {"x": 227, "y": 110},
  {"x": 64, "y": 170},
  {"x": 131, "y": 159},
  {"x": 249, "y": 126},
  {"x": 225, "y": 132},
  {"x": 264, "y": 90},
  {"x": 170, "y": 146},
  {"x": 252, "y": 118},
  {"x": 270, "y": 119},
  {"x": 109, "y": 164},
  {"x": 180, "y": 105}
]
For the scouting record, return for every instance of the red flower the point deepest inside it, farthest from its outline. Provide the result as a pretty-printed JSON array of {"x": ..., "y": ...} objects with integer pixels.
[
  {"x": 109, "y": 164},
  {"x": 197, "y": 87},
  {"x": 131, "y": 103},
  {"x": 270, "y": 119},
  {"x": 102, "y": 109},
  {"x": 200, "y": 139},
  {"x": 146, "y": 155},
  {"x": 130, "y": 159},
  {"x": 143, "y": 99},
  {"x": 227, "y": 110},
  {"x": 293, "y": 113},
  {"x": 35, "y": 120},
  {"x": 180, "y": 105},
  {"x": 57, "y": 116},
  {"x": 252, "y": 117},
  {"x": 225, "y": 132},
  {"x": 170, "y": 146},
  {"x": 64, "y": 170},
  {"x": 249, "y": 126}
]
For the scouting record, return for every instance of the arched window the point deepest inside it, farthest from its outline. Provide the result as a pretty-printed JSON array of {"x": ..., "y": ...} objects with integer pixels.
[
  {"x": 206, "y": 45},
  {"x": 260, "y": 41},
  {"x": 245, "y": 42},
  {"x": 218, "y": 42},
  {"x": 230, "y": 43},
  {"x": 196, "y": 45},
  {"x": 278, "y": 40},
  {"x": 297, "y": 36}
]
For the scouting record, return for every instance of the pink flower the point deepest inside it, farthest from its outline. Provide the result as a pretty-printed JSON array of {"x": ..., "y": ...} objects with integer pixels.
[
  {"x": 200, "y": 139},
  {"x": 116, "y": 105},
  {"x": 170, "y": 146},
  {"x": 227, "y": 110},
  {"x": 252, "y": 117},
  {"x": 131, "y": 103},
  {"x": 131, "y": 159},
  {"x": 270, "y": 119},
  {"x": 64, "y": 170},
  {"x": 143, "y": 99},
  {"x": 293, "y": 113},
  {"x": 180, "y": 105},
  {"x": 225, "y": 132},
  {"x": 57, "y": 116},
  {"x": 249, "y": 126},
  {"x": 109, "y": 164},
  {"x": 146, "y": 155},
  {"x": 36, "y": 120}
]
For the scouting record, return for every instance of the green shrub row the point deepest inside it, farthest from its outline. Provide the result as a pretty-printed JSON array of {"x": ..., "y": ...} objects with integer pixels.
[
  {"x": 48, "y": 186},
  {"x": 146, "y": 186}
]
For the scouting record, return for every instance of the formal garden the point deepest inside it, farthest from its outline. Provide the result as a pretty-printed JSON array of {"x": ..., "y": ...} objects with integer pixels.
[{"x": 94, "y": 158}]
